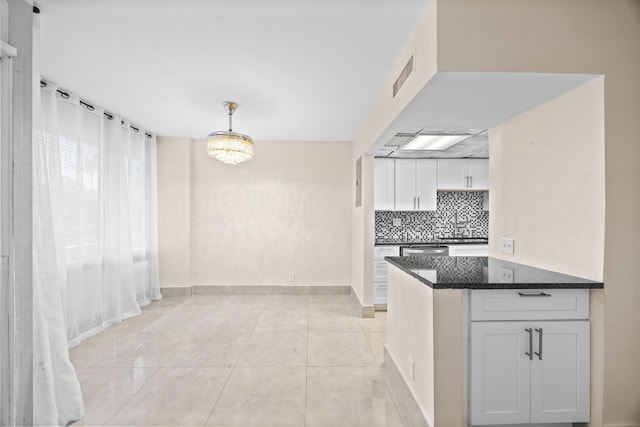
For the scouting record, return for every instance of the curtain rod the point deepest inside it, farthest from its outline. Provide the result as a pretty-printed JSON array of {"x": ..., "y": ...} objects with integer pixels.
[{"x": 65, "y": 95}]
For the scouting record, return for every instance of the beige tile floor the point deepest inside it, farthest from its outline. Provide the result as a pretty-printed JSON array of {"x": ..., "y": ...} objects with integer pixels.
[{"x": 238, "y": 360}]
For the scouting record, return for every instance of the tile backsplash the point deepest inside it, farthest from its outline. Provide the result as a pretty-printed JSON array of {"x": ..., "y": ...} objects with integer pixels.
[{"x": 473, "y": 220}]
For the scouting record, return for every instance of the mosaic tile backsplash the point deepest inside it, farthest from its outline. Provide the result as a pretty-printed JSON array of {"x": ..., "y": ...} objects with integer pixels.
[{"x": 473, "y": 220}]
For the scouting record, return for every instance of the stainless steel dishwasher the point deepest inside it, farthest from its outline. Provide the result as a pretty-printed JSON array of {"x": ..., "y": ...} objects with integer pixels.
[{"x": 424, "y": 250}]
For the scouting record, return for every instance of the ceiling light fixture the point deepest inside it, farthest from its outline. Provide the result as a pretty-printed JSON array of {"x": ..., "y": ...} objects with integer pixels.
[
  {"x": 433, "y": 142},
  {"x": 228, "y": 146}
]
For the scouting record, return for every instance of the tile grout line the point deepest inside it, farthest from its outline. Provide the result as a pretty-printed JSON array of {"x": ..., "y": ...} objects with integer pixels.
[
  {"x": 393, "y": 398},
  {"x": 157, "y": 369},
  {"x": 306, "y": 368},
  {"x": 220, "y": 395},
  {"x": 384, "y": 378},
  {"x": 235, "y": 363},
  {"x": 117, "y": 411},
  {"x": 233, "y": 368},
  {"x": 364, "y": 334}
]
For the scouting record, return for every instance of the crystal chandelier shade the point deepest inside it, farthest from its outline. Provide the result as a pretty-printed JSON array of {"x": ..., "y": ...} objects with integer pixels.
[{"x": 228, "y": 146}]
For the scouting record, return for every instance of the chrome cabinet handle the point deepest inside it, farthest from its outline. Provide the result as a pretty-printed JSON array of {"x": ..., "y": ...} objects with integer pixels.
[
  {"x": 539, "y": 352},
  {"x": 541, "y": 294},
  {"x": 414, "y": 203},
  {"x": 418, "y": 203},
  {"x": 466, "y": 182},
  {"x": 470, "y": 182},
  {"x": 530, "y": 352}
]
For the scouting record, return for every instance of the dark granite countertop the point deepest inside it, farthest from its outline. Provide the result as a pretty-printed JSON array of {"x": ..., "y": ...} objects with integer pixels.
[
  {"x": 437, "y": 241},
  {"x": 446, "y": 272}
]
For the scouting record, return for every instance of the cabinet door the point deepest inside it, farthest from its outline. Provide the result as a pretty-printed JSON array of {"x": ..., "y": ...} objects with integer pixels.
[
  {"x": 560, "y": 372},
  {"x": 499, "y": 373},
  {"x": 427, "y": 184},
  {"x": 452, "y": 174},
  {"x": 479, "y": 173},
  {"x": 405, "y": 185},
  {"x": 383, "y": 185}
]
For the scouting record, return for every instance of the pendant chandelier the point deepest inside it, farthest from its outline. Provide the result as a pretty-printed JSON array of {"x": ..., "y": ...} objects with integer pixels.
[{"x": 228, "y": 146}]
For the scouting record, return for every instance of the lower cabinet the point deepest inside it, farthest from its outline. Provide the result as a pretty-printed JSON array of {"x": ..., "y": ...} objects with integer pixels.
[
  {"x": 529, "y": 372},
  {"x": 381, "y": 271}
]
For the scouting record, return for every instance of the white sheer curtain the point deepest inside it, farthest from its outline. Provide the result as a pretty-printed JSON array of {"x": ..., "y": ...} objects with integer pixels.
[
  {"x": 106, "y": 217},
  {"x": 57, "y": 398},
  {"x": 95, "y": 242}
]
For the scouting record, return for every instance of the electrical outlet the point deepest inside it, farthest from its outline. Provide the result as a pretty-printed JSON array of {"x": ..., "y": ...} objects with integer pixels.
[
  {"x": 397, "y": 222},
  {"x": 506, "y": 275},
  {"x": 412, "y": 366},
  {"x": 292, "y": 277},
  {"x": 506, "y": 245}
]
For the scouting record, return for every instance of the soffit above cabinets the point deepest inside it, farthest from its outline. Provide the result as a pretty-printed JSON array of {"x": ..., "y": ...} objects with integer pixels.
[
  {"x": 464, "y": 101},
  {"x": 475, "y": 146}
]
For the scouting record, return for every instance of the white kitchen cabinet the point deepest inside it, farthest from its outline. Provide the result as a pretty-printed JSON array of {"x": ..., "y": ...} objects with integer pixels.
[
  {"x": 384, "y": 184},
  {"x": 500, "y": 373},
  {"x": 529, "y": 304},
  {"x": 528, "y": 371},
  {"x": 381, "y": 271},
  {"x": 463, "y": 174},
  {"x": 560, "y": 375},
  {"x": 416, "y": 184}
]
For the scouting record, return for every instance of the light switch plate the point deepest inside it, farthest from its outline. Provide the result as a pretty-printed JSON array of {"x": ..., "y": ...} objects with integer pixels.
[
  {"x": 397, "y": 222},
  {"x": 506, "y": 245}
]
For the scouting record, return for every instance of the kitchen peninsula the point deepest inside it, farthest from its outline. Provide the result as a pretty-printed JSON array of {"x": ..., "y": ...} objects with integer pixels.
[{"x": 483, "y": 341}]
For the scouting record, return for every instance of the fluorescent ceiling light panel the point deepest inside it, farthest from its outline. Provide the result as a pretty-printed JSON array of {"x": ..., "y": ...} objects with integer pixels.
[{"x": 433, "y": 142}]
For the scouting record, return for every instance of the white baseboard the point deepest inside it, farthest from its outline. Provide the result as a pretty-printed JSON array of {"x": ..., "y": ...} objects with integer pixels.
[
  {"x": 176, "y": 291},
  {"x": 179, "y": 291},
  {"x": 364, "y": 311},
  {"x": 408, "y": 407}
]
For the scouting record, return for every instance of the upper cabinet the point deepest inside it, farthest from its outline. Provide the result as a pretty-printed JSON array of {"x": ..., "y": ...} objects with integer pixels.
[
  {"x": 384, "y": 184},
  {"x": 463, "y": 174},
  {"x": 416, "y": 184},
  {"x": 413, "y": 184}
]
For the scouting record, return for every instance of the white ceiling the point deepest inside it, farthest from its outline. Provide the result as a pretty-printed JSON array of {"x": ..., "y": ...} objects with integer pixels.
[
  {"x": 305, "y": 70},
  {"x": 299, "y": 69}
]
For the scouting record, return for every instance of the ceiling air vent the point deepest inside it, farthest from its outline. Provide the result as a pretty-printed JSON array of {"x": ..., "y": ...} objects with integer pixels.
[{"x": 404, "y": 75}]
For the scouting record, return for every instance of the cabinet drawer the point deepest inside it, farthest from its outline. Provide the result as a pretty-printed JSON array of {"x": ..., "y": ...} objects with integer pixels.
[
  {"x": 529, "y": 304},
  {"x": 380, "y": 293},
  {"x": 379, "y": 252},
  {"x": 380, "y": 271}
]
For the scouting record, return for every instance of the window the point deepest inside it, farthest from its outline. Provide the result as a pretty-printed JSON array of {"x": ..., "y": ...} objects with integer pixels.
[{"x": 80, "y": 164}]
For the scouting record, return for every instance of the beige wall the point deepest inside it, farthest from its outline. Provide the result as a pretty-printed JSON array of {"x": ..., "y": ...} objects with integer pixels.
[
  {"x": 422, "y": 46},
  {"x": 285, "y": 211},
  {"x": 426, "y": 327},
  {"x": 576, "y": 36},
  {"x": 547, "y": 180},
  {"x": 174, "y": 223},
  {"x": 547, "y": 184},
  {"x": 410, "y": 315}
]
